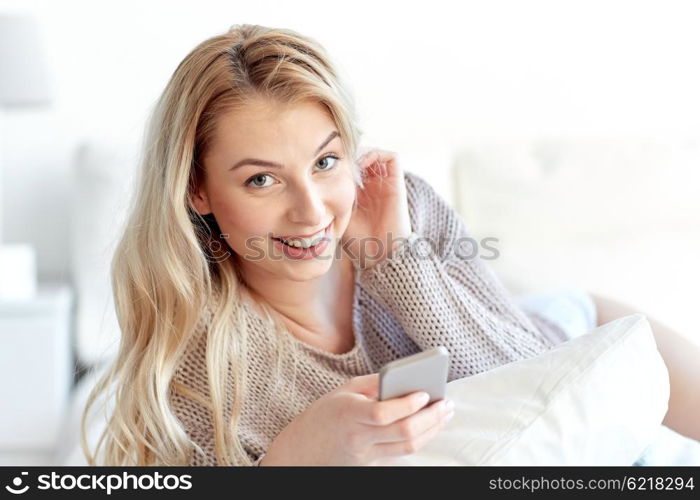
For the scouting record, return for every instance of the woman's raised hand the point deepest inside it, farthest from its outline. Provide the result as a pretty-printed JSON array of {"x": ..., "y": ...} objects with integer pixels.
[{"x": 380, "y": 222}]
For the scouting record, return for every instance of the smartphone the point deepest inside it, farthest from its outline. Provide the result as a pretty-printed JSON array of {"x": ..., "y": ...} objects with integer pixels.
[{"x": 424, "y": 371}]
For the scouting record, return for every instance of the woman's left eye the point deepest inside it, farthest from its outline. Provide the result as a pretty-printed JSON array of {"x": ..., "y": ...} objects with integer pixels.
[{"x": 334, "y": 157}]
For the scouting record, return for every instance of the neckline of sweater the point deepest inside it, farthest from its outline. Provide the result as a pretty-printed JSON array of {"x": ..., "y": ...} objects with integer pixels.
[{"x": 356, "y": 328}]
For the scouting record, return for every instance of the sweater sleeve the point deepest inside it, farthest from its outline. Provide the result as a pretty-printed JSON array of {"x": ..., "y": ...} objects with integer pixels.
[{"x": 442, "y": 295}]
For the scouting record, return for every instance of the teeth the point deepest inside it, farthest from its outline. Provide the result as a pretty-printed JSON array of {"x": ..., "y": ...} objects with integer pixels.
[{"x": 305, "y": 242}]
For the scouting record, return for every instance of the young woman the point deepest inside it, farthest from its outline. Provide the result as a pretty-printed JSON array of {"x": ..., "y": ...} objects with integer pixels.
[{"x": 267, "y": 272}]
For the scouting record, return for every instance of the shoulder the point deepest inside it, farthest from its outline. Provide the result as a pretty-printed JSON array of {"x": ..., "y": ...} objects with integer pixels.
[
  {"x": 431, "y": 215},
  {"x": 417, "y": 188},
  {"x": 421, "y": 200}
]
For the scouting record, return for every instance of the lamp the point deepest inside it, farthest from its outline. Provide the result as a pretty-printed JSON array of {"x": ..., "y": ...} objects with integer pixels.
[{"x": 23, "y": 83}]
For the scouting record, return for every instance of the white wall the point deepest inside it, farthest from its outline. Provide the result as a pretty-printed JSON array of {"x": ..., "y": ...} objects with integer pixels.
[{"x": 427, "y": 76}]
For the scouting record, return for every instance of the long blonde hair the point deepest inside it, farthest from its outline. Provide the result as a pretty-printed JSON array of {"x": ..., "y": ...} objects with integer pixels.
[{"x": 168, "y": 266}]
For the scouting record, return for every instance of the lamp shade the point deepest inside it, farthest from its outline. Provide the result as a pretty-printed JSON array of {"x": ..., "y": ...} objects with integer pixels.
[{"x": 23, "y": 69}]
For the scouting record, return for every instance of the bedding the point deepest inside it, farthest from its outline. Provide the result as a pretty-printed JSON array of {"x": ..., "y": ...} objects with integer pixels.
[
  {"x": 518, "y": 395},
  {"x": 597, "y": 399}
]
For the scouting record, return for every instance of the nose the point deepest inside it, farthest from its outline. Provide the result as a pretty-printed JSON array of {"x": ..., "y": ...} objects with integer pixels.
[{"x": 307, "y": 207}]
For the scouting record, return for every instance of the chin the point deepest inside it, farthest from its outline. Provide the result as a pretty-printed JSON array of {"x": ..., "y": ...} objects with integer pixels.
[{"x": 308, "y": 270}]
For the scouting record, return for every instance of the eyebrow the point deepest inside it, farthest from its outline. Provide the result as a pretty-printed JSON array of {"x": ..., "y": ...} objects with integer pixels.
[{"x": 263, "y": 163}]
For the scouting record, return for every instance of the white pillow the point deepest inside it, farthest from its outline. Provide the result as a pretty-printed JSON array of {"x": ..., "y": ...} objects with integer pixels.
[{"x": 598, "y": 399}]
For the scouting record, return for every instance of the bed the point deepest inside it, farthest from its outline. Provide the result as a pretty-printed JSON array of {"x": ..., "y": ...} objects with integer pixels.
[{"x": 568, "y": 214}]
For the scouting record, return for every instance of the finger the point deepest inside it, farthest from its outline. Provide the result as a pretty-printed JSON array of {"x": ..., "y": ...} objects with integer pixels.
[
  {"x": 368, "y": 158},
  {"x": 362, "y": 152},
  {"x": 391, "y": 165},
  {"x": 412, "y": 426},
  {"x": 367, "y": 385},
  {"x": 409, "y": 446},
  {"x": 389, "y": 411},
  {"x": 375, "y": 156},
  {"x": 385, "y": 163},
  {"x": 371, "y": 165}
]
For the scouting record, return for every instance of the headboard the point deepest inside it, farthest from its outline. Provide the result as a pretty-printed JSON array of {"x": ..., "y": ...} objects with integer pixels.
[{"x": 618, "y": 215}]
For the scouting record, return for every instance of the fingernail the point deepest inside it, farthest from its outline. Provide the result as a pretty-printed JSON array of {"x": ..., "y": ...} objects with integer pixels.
[
  {"x": 449, "y": 405},
  {"x": 423, "y": 398}
]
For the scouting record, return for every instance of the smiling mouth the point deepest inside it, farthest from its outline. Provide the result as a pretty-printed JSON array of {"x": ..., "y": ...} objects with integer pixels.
[{"x": 316, "y": 240}]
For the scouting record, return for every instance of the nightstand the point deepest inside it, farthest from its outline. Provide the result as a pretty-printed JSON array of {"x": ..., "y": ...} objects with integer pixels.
[{"x": 36, "y": 370}]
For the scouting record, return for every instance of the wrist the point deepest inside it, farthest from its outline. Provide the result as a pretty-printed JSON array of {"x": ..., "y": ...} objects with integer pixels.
[{"x": 373, "y": 253}]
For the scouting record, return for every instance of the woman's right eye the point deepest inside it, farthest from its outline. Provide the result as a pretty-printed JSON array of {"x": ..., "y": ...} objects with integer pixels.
[{"x": 251, "y": 181}]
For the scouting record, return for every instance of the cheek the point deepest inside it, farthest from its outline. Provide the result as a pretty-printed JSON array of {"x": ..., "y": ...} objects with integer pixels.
[
  {"x": 345, "y": 199},
  {"x": 241, "y": 222},
  {"x": 344, "y": 194}
]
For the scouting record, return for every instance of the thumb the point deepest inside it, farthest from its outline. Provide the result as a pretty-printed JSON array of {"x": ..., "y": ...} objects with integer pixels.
[{"x": 367, "y": 385}]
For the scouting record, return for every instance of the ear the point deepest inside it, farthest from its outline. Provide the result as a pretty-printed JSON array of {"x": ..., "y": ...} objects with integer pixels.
[{"x": 200, "y": 201}]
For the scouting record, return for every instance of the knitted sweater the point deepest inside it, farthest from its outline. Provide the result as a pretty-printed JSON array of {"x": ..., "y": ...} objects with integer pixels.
[{"x": 430, "y": 292}]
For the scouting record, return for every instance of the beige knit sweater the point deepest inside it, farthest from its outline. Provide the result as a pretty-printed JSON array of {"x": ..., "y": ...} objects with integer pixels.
[{"x": 429, "y": 293}]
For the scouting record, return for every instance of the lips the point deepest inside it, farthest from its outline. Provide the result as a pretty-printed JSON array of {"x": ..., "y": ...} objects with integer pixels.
[{"x": 299, "y": 236}]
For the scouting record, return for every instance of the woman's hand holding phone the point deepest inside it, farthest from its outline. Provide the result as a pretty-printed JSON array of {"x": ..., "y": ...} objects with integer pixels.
[{"x": 350, "y": 426}]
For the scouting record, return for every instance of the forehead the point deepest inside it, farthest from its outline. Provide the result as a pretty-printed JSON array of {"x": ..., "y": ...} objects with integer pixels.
[{"x": 263, "y": 124}]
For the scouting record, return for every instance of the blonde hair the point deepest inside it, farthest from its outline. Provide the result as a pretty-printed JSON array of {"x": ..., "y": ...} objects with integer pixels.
[{"x": 165, "y": 269}]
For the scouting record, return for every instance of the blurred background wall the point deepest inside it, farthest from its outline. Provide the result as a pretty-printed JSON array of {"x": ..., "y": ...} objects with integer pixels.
[{"x": 427, "y": 76}]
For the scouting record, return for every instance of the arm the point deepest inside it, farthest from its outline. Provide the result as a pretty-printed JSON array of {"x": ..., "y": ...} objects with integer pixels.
[
  {"x": 442, "y": 296},
  {"x": 682, "y": 358}
]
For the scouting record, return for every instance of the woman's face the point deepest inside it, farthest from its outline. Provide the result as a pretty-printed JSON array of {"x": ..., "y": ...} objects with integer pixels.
[{"x": 309, "y": 188}]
